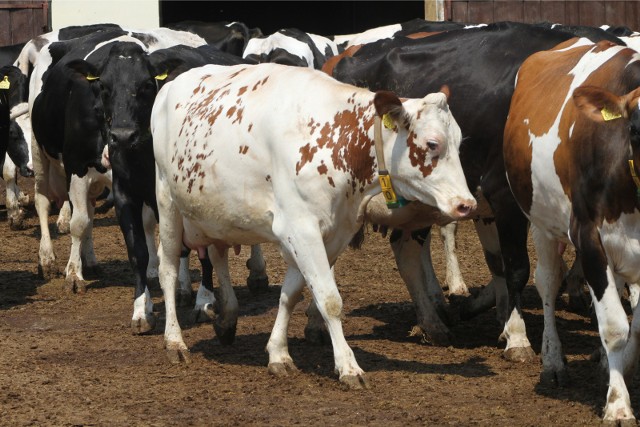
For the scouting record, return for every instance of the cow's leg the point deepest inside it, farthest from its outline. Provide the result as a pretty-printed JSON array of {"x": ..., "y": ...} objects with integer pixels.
[
  {"x": 512, "y": 228},
  {"x": 548, "y": 278},
  {"x": 47, "y": 265},
  {"x": 184, "y": 293},
  {"x": 15, "y": 214},
  {"x": 258, "y": 281},
  {"x": 453, "y": 280},
  {"x": 412, "y": 252},
  {"x": 129, "y": 213},
  {"x": 170, "y": 230},
  {"x": 280, "y": 362},
  {"x": 80, "y": 226},
  {"x": 302, "y": 245},
  {"x": 496, "y": 289},
  {"x": 149, "y": 223},
  {"x": 632, "y": 351},
  {"x": 227, "y": 304},
  {"x": 64, "y": 218},
  {"x": 634, "y": 295},
  {"x": 204, "y": 309}
]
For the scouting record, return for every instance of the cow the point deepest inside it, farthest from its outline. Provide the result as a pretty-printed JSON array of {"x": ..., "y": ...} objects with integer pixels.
[
  {"x": 91, "y": 133},
  {"x": 413, "y": 26},
  {"x": 480, "y": 97},
  {"x": 268, "y": 152},
  {"x": 291, "y": 46},
  {"x": 230, "y": 37},
  {"x": 571, "y": 158}
]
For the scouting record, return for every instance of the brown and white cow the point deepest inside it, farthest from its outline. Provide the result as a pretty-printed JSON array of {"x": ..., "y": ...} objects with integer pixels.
[
  {"x": 572, "y": 153},
  {"x": 272, "y": 153}
]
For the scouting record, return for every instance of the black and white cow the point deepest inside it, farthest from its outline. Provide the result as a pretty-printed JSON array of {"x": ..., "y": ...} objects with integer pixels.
[
  {"x": 291, "y": 46},
  {"x": 91, "y": 123},
  {"x": 231, "y": 37},
  {"x": 479, "y": 65}
]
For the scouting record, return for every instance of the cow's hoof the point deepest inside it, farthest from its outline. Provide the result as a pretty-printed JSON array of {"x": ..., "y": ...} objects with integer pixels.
[
  {"x": 624, "y": 422},
  {"x": 178, "y": 354},
  {"x": 203, "y": 314},
  {"x": 282, "y": 369},
  {"x": 317, "y": 336},
  {"x": 553, "y": 378},
  {"x": 355, "y": 382},
  {"x": 143, "y": 325},
  {"x": 435, "y": 337},
  {"x": 519, "y": 354},
  {"x": 184, "y": 298},
  {"x": 92, "y": 272},
  {"x": 75, "y": 285},
  {"x": 258, "y": 285},
  {"x": 63, "y": 227},
  {"x": 226, "y": 334},
  {"x": 16, "y": 222},
  {"x": 48, "y": 271}
]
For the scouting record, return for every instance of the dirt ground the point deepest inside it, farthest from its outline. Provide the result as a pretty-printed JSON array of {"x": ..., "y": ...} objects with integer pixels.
[{"x": 71, "y": 360}]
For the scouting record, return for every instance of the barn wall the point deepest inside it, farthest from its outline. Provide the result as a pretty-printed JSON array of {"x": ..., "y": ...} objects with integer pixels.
[
  {"x": 21, "y": 20},
  {"x": 568, "y": 12},
  {"x": 139, "y": 14}
]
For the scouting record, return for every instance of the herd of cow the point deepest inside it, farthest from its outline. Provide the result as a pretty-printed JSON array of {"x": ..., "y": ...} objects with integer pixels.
[{"x": 224, "y": 137}]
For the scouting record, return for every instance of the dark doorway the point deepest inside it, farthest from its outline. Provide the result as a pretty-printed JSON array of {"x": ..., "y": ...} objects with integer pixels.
[{"x": 318, "y": 17}]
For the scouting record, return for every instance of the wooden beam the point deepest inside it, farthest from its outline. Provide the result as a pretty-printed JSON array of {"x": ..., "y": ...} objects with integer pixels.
[{"x": 434, "y": 10}]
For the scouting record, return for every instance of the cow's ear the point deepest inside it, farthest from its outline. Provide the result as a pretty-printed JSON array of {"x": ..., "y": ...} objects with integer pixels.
[
  {"x": 599, "y": 104},
  {"x": 89, "y": 71},
  {"x": 167, "y": 69},
  {"x": 387, "y": 102},
  {"x": 445, "y": 89}
]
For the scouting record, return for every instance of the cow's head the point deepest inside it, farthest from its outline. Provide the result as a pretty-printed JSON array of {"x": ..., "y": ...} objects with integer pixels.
[
  {"x": 424, "y": 163},
  {"x": 13, "y": 93},
  {"x": 621, "y": 114},
  {"x": 126, "y": 88}
]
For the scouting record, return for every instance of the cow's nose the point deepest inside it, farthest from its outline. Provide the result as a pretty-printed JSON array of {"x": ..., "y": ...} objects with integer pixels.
[
  {"x": 123, "y": 135},
  {"x": 465, "y": 207}
]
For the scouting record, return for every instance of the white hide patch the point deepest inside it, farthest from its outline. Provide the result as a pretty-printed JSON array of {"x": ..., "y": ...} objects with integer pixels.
[{"x": 621, "y": 241}]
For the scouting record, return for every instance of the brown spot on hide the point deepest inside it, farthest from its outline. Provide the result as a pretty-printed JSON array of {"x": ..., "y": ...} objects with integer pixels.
[
  {"x": 307, "y": 153},
  {"x": 268, "y": 178},
  {"x": 242, "y": 90},
  {"x": 250, "y": 127},
  {"x": 331, "y": 183},
  {"x": 418, "y": 156},
  {"x": 244, "y": 149},
  {"x": 322, "y": 169},
  {"x": 331, "y": 63}
]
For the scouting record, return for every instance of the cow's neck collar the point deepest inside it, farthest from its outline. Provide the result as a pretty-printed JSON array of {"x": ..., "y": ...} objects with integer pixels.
[
  {"x": 393, "y": 201},
  {"x": 635, "y": 177}
]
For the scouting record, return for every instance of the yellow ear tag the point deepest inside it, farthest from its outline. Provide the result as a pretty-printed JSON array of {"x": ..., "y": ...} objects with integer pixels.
[
  {"x": 91, "y": 77},
  {"x": 609, "y": 115},
  {"x": 4, "y": 84},
  {"x": 387, "y": 121},
  {"x": 162, "y": 76}
]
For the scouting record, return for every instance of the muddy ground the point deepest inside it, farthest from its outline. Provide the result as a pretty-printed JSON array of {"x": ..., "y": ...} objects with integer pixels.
[{"x": 70, "y": 359}]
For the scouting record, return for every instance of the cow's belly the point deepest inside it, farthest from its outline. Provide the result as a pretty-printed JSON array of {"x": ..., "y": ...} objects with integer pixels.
[{"x": 621, "y": 241}]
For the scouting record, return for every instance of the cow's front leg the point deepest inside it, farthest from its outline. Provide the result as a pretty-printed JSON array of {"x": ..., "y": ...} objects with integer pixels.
[
  {"x": 453, "y": 278},
  {"x": 80, "y": 229},
  {"x": 227, "y": 304},
  {"x": 63, "y": 223},
  {"x": 412, "y": 251},
  {"x": 258, "y": 281},
  {"x": 129, "y": 214},
  {"x": 302, "y": 245},
  {"x": 15, "y": 214},
  {"x": 149, "y": 222}
]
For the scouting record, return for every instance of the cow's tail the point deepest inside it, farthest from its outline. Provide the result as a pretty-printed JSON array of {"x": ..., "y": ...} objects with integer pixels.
[{"x": 358, "y": 239}]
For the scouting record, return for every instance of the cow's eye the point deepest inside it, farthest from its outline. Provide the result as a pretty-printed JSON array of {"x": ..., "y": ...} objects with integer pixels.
[{"x": 433, "y": 145}]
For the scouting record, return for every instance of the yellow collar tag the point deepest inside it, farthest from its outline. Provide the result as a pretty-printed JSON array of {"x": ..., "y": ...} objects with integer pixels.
[
  {"x": 162, "y": 76},
  {"x": 4, "y": 84},
  {"x": 91, "y": 77},
  {"x": 609, "y": 115},
  {"x": 387, "y": 121}
]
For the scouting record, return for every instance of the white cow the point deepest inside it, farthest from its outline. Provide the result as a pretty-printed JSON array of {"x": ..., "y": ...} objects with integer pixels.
[{"x": 271, "y": 153}]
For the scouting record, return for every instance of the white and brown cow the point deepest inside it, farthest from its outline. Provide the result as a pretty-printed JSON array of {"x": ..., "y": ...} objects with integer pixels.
[
  {"x": 272, "y": 153},
  {"x": 572, "y": 153}
]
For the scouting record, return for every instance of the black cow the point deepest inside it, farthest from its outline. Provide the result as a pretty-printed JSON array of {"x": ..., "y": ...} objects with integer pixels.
[
  {"x": 479, "y": 65},
  {"x": 231, "y": 37},
  {"x": 93, "y": 111}
]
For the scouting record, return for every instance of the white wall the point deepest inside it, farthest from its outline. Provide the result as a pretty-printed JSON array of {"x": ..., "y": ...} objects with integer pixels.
[{"x": 135, "y": 14}]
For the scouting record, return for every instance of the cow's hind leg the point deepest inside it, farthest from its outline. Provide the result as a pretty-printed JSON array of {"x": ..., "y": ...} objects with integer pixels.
[
  {"x": 63, "y": 223},
  {"x": 548, "y": 278},
  {"x": 454, "y": 279},
  {"x": 15, "y": 214},
  {"x": 47, "y": 265},
  {"x": 280, "y": 362},
  {"x": 204, "y": 309}
]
